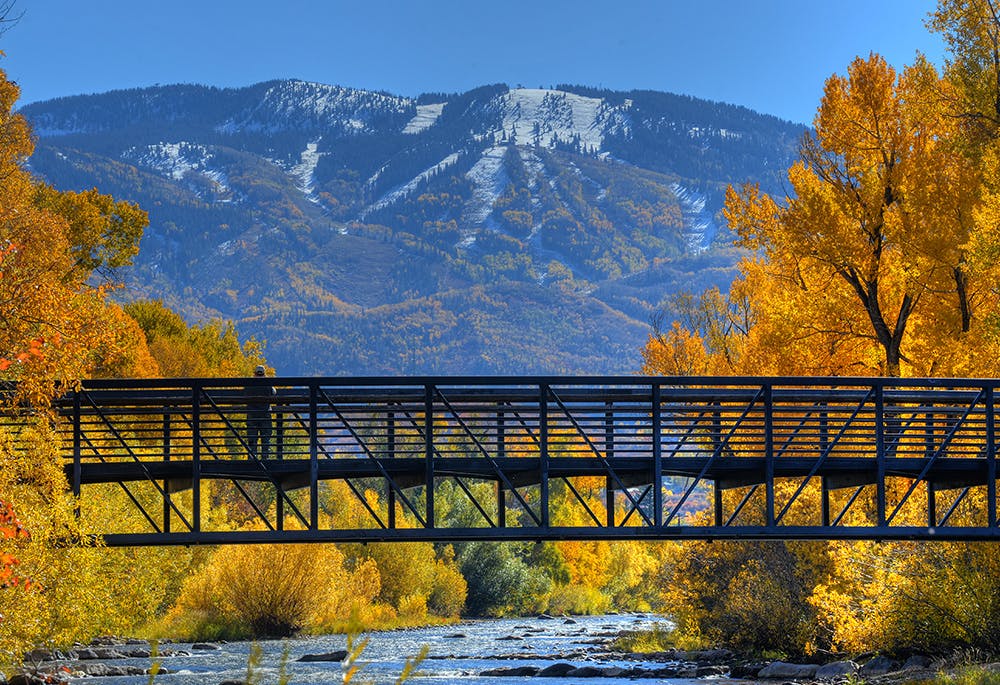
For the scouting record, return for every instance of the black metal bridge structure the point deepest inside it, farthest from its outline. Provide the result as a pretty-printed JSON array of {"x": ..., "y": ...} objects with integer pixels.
[{"x": 535, "y": 458}]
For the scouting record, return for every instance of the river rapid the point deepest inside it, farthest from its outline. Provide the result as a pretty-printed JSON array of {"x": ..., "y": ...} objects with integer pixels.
[{"x": 457, "y": 654}]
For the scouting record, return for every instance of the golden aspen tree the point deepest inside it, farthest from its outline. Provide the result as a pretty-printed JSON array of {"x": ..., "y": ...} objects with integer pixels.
[
  {"x": 863, "y": 267},
  {"x": 882, "y": 260},
  {"x": 971, "y": 31}
]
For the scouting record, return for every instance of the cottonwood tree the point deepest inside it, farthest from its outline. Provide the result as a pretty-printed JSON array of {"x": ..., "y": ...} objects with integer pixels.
[
  {"x": 56, "y": 321},
  {"x": 882, "y": 259},
  {"x": 865, "y": 266}
]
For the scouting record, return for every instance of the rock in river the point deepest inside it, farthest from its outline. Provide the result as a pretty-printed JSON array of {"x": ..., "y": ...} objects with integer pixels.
[
  {"x": 558, "y": 670},
  {"x": 780, "y": 669},
  {"x": 516, "y": 671},
  {"x": 836, "y": 670},
  {"x": 338, "y": 655},
  {"x": 880, "y": 665}
]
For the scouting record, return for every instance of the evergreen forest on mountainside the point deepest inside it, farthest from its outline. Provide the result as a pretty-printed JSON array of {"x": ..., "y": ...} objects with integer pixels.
[{"x": 495, "y": 231}]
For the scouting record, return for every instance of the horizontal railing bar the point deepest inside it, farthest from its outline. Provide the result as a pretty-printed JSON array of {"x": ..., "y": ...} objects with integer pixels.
[
  {"x": 446, "y": 382},
  {"x": 556, "y": 533}
]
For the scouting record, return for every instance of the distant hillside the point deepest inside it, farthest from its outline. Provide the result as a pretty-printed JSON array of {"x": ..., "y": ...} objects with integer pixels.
[{"x": 495, "y": 231}]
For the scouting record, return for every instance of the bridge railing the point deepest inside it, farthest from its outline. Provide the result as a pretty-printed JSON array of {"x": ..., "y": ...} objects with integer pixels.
[{"x": 670, "y": 457}]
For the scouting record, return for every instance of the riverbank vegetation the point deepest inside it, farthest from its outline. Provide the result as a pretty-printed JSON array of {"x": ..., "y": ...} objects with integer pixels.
[
  {"x": 882, "y": 260},
  {"x": 969, "y": 675}
]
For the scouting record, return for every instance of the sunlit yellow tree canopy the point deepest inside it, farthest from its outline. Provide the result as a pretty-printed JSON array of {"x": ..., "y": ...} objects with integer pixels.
[
  {"x": 882, "y": 259},
  {"x": 871, "y": 264}
]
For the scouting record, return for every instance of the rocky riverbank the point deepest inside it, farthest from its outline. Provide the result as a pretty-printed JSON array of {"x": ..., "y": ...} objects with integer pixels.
[
  {"x": 45, "y": 666},
  {"x": 726, "y": 664},
  {"x": 604, "y": 661}
]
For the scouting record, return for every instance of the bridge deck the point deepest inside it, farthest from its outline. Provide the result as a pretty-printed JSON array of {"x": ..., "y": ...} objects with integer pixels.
[{"x": 539, "y": 458}]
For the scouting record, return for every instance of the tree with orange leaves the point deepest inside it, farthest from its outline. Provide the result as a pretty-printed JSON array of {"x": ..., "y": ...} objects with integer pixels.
[
  {"x": 58, "y": 252},
  {"x": 10, "y": 529}
]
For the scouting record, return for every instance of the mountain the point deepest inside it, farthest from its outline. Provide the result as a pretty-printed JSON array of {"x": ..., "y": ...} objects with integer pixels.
[{"x": 502, "y": 230}]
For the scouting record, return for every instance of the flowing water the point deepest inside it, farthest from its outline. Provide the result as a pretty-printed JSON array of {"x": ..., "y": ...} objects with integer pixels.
[{"x": 457, "y": 653}]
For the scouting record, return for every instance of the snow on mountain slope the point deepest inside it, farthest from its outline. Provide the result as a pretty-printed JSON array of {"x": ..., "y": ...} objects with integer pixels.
[
  {"x": 306, "y": 168},
  {"x": 426, "y": 116},
  {"x": 291, "y": 105},
  {"x": 407, "y": 188},
  {"x": 699, "y": 226},
  {"x": 490, "y": 180},
  {"x": 535, "y": 167},
  {"x": 178, "y": 161},
  {"x": 171, "y": 159},
  {"x": 542, "y": 218},
  {"x": 542, "y": 116}
]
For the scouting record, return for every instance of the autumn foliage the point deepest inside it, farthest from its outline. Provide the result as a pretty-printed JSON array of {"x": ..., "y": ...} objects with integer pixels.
[
  {"x": 10, "y": 529},
  {"x": 882, "y": 259}
]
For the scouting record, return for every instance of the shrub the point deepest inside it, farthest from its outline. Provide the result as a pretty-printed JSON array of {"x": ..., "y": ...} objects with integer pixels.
[
  {"x": 657, "y": 639},
  {"x": 578, "y": 599},
  {"x": 413, "y": 609},
  {"x": 263, "y": 591},
  {"x": 499, "y": 582},
  {"x": 405, "y": 568},
  {"x": 449, "y": 591},
  {"x": 747, "y": 595}
]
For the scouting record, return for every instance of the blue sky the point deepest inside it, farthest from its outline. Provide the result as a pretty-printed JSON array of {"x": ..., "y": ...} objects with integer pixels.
[{"x": 769, "y": 55}]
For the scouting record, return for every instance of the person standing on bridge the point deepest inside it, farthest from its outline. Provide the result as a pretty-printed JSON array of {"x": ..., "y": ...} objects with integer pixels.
[{"x": 259, "y": 398}]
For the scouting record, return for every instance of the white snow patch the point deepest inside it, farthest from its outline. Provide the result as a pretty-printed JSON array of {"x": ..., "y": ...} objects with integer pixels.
[
  {"x": 296, "y": 104},
  {"x": 490, "y": 181},
  {"x": 177, "y": 160},
  {"x": 534, "y": 165},
  {"x": 370, "y": 183},
  {"x": 542, "y": 116},
  {"x": 699, "y": 225},
  {"x": 171, "y": 159},
  {"x": 699, "y": 132},
  {"x": 426, "y": 116},
  {"x": 226, "y": 248},
  {"x": 402, "y": 191},
  {"x": 304, "y": 171}
]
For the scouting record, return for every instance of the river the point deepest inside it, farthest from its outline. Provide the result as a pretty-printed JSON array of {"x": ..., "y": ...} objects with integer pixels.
[{"x": 457, "y": 652}]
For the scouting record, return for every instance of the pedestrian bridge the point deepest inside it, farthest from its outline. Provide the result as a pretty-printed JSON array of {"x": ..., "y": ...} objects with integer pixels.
[{"x": 535, "y": 458}]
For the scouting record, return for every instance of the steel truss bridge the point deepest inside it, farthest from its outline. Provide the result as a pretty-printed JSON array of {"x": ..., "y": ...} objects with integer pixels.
[{"x": 536, "y": 458}]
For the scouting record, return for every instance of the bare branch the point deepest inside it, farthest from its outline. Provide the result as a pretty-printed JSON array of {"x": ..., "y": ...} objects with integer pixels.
[{"x": 8, "y": 17}]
